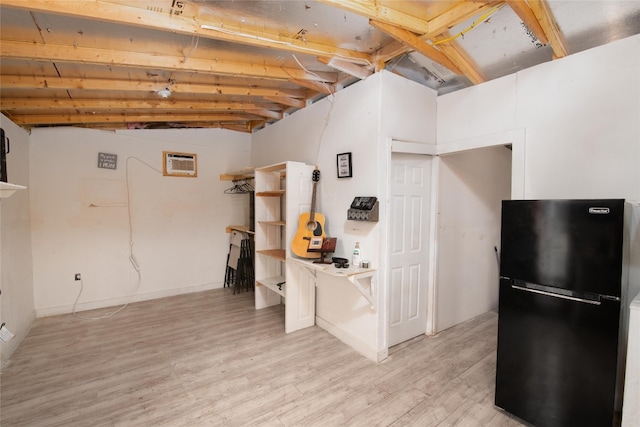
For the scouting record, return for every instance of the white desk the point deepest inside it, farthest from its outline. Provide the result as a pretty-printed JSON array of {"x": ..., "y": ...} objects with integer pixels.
[{"x": 352, "y": 274}]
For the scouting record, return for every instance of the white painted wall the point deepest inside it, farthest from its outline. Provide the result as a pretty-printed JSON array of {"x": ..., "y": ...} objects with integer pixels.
[
  {"x": 178, "y": 223},
  {"x": 471, "y": 187},
  {"x": 16, "y": 271},
  {"x": 580, "y": 115},
  {"x": 361, "y": 119}
]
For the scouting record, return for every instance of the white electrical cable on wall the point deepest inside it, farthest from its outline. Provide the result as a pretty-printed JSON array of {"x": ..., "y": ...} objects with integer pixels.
[{"x": 132, "y": 257}]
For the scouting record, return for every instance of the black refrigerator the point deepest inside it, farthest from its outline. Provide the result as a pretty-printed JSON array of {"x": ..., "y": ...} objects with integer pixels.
[{"x": 561, "y": 336}]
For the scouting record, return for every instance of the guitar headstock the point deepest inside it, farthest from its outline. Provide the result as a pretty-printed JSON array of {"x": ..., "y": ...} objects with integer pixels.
[{"x": 315, "y": 176}]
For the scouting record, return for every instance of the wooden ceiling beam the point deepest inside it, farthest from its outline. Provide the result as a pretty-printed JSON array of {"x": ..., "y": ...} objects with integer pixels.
[
  {"x": 67, "y": 83},
  {"x": 238, "y": 128},
  {"x": 524, "y": 12},
  {"x": 245, "y": 126},
  {"x": 60, "y": 119},
  {"x": 291, "y": 102},
  {"x": 198, "y": 24},
  {"x": 460, "y": 57},
  {"x": 372, "y": 10},
  {"x": 264, "y": 112},
  {"x": 125, "y": 104},
  {"x": 548, "y": 23},
  {"x": 423, "y": 29},
  {"x": 315, "y": 86},
  {"x": 237, "y": 90},
  {"x": 218, "y": 66},
  {"x": 418, "y": 44},
  {"x": 389, "y": 52},
  {"x": 459, "y": 13}
]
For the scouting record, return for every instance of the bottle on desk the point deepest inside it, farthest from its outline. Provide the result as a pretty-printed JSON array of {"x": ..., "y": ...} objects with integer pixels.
[{"x": 355, "y": 261}]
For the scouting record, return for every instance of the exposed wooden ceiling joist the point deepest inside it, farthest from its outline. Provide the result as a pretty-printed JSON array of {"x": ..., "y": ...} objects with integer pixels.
[
  {"x": 457, "y": 55},
  {"x": 264, "y": 112},
  {"x": 415, "y": 42},
  {"x": 66, "y": 83},
  {"x": 389, "y": 52},
  {"x": 58, "y": 119},
  {"x": 544, "y": 16},
  {"x": 414, "y": 33},
  {"x": 316, "y": 86},
  {"x": 284, "y": 100},
  {"x": 189, "y": 21},
  {"x": 522, "y": 9},
  {"x": 110, "y": 57},
  {"x": 459, "y": 13},
  {"x": 372, "y": 10},
  {"x": 22, "y": 104}
]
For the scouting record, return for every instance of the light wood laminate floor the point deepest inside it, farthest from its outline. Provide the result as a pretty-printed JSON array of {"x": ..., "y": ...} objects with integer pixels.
[{"x": 210, "y": 359}]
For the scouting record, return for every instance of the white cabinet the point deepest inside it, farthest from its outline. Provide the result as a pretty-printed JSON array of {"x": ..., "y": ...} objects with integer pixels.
[{"x": 282, "y": 192}]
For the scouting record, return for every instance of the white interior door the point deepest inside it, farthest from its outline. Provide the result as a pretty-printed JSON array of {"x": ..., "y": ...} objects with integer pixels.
[{"x": 409, "y": 246}]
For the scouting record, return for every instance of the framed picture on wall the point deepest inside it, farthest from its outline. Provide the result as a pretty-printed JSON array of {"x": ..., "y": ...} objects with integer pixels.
[{"x": 344, "y": 165}]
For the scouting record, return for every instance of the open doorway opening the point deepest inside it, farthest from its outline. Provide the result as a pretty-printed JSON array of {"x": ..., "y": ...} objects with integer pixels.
[{"x": 471, "y": 187}]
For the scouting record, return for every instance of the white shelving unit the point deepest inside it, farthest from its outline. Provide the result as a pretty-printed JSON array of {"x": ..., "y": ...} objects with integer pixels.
[{"x": 282, "y": 193}]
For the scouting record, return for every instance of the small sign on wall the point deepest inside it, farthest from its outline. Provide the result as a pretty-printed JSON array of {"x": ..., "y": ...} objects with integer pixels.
[{"x": 107, "y": 160}]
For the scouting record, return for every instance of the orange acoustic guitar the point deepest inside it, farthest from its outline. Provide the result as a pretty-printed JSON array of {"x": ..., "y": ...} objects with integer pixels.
[{"x": 310, "y": 224}]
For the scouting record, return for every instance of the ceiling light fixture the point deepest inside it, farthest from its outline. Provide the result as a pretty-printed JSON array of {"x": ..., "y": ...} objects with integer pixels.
[{"x": 164, "y": 93}]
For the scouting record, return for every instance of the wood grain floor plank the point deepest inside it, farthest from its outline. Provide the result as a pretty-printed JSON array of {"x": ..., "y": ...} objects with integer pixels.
[{"x": 211, "y": 359}]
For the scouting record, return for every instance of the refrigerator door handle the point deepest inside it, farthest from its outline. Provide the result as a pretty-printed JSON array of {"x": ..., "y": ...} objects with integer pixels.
[{"x": 554, "y": 295}]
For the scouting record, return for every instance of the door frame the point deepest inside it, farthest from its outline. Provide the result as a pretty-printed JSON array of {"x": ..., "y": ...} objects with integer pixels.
[
  {"x": 420, "y": 149},
  {"x": 515, "y": 138}
]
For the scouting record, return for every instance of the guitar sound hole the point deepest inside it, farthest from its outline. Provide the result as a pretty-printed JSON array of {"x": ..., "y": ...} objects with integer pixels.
[{"x": 312, "y": 225}]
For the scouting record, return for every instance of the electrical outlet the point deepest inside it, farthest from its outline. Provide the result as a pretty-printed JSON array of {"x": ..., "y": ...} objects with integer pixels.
[{"x": 77, "y": 276}]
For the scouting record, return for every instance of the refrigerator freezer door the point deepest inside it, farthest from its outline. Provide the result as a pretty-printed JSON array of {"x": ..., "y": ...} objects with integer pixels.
[
  {"x": 572, "y": 244},
  {"x": 557, "y": 358}
]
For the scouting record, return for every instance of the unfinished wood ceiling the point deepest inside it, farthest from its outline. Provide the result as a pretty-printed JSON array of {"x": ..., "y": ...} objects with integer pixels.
[{"x": 241, "y": 65}]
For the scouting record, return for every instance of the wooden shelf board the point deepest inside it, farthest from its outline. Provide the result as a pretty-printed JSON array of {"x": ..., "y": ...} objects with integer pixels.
[
  {"x": 246, "y": 173},
  {"x": 272, "y": 284},
  {"x": 279, "y": 223},
  {"x": 241, "y": 228},
  {"x": 273, "y": 168},
  {"x": 279, "y": 254},
  {"x": 272, "y": 193}
]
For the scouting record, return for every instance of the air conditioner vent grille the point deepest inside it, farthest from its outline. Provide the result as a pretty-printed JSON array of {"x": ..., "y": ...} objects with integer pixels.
[{"x": 180, "y": 164}]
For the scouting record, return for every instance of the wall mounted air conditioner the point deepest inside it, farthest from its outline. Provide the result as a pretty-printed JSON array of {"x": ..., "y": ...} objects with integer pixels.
[{"x": 179, "y": 164}]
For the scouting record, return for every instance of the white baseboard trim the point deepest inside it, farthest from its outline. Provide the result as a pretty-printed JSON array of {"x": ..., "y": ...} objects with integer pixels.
[
  {"x": 350, "y": 340},
  {"x": 112, "y": 302}
]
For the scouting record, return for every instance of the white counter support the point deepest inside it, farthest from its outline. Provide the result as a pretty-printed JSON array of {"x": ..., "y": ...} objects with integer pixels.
[{"x": 7, "y": 189}]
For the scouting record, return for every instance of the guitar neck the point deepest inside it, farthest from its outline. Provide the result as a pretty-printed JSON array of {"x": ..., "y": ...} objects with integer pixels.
[{"x": 313, "y": 202}]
